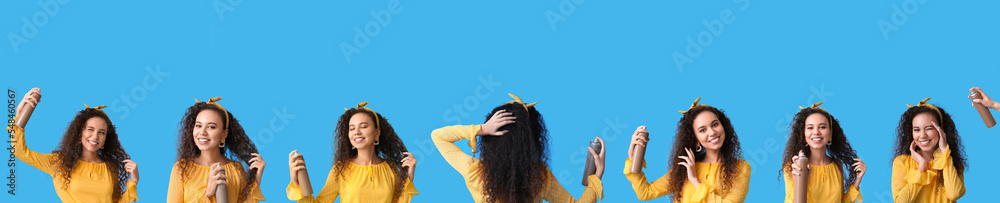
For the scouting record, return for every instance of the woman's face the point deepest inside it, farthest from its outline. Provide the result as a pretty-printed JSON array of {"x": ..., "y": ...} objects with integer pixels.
[
  {"x": 361, "y": 131},
  {"x": 709, "y": 131},
  {"x": 818, "y": 131},
  {"x": 94, "y": 132},
  {"x": 924, "y": 132},
  {"x": 209, "y": 130}
]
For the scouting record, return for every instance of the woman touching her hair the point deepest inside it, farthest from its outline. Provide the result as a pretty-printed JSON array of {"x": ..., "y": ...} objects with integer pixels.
[
  {"x": 89, "y": 164},
  {"x": 512, "y": 166},
  {"x": 211, "y": 141},
  {"x": 929, "y": 162},
  {"x": 706, "y": 163},
  {"x": 370, "y": 163}
]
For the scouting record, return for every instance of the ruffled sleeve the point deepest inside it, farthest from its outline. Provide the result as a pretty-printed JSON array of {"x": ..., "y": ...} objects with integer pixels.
[
  {"x": 907, "y": 181},
  {"x": 255, "y": 194},
  {"x": 38, "y": 160},
  {"x": 954, "y": 184},
  {"x": 644, "y": 190},
  {"x": 556, "y": 192},
  {"x": 330, "y": 191},
  {"x": 852, "y": 195},
  {"x": 445, "y": 138},
  {"x": 130, "y": 193},
  {"x": 408, "y": 191}
]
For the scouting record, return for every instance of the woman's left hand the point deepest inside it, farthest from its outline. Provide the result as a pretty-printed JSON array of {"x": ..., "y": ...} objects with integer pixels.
[
  {"x": 942, "y": 137},
  {"x": 410, "y": 164},
  {"x": 689, "y": 163},
  {"x": 258, "y": 162},
  {"x": 133, "y": 169},
  {"x": 599, "y": 158},
  {"x": 859, "y": 167}
]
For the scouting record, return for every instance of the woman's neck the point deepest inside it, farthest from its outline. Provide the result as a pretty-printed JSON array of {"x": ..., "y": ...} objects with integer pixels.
[
  {"x": 366, "y": 157},
  {"x": 928, "y": 154},
  {"x": 818, "y": 157},
  {"x": 711, "y": 156},
  {"x": 209, "y": 157},
  {"x": 90, "y": 157}
]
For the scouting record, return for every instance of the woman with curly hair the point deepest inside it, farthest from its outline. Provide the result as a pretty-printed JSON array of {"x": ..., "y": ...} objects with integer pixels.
[
  {"x": 89, "y": 165},
  {"x": 925, "y": 168},
  {"x": 512, "y": 165},
  {"x": 370, "y": 163},
  {"x": 817, "y": 135},
  {"x": 709, "y": 162},
  {"x": 207, "y": 133}
]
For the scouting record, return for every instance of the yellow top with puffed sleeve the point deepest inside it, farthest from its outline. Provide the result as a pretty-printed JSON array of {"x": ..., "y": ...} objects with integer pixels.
[
  {"x": 826, "y": 185},
  {"x": 445, "y": 138},
  {"x": 709, "y": 191},
  {"x": 939, "y": 183},
  {"x": 88, "y": 182},
  {"x": 373, "y": 183}
]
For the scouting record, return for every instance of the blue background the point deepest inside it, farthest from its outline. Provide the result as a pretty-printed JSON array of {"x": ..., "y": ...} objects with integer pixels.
[{"x": 602, "y": 70}]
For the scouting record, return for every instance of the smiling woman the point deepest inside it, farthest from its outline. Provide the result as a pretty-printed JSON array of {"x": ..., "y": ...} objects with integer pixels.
[
  {"x": 817, "y": 136},
  {"x": 706, "y": 163},
  {"x": 930, "y": 161},
  {"x": 89, "y": 165},
  {"x": 207, "y": 132},
  {"x": 370, "y": 163}
]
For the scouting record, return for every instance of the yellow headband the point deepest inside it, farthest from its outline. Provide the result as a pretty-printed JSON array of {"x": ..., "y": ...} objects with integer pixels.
[
  {"x": 925, "y": 104},
  {"x": 695, "y": 104},
  {"x": 224, "y": 112},
  {"x": 829, "y": 117},
  {"x": 98, "y": 108},
  {"x": 361, "y": 106},
  {"x": 518, "y": 100}
]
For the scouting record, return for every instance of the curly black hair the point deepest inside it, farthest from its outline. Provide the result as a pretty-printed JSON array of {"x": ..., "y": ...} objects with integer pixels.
[
  {"x": 729, "y": 155},
  {"x": 237, "y": 143},
  {"x": 513, "y": 166},
  {"x": 113, "y": 154},
  {"x": 904, "y": 135},
  {"x": 390, "y": 147},
  {"x": 839, "y": 150}
]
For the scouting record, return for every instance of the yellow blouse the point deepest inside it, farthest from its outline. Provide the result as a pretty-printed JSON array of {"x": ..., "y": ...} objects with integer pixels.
[
  {"x": 939, "y": 183},
  {"x": 825, "y": 185},
  {"x": 710, "y": 175},
  {"x": 192, "y": 188},
  {"x": 89, "y": 182},
  {"x": 360, "y": 184},
  {"x": 468, "y": 166}
]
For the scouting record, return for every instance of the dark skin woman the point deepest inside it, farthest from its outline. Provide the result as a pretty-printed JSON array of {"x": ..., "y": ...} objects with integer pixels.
[
  {"x": 512, "y": 162},
  {"x": 705, "y": 137},
  {"x": 90, "y": 143},
  {"x": 211, "y": 137},
  {"x": 363, "y": 138}
]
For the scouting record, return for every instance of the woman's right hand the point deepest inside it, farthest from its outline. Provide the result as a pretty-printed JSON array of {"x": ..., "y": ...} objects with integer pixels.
[
  {"x": 796, "y": 170},
  {"x": 215, "y": 178},
  {"x": 295, "y": 163},
  {"x": 499, "y": 119},
  {"x": 639, "y": 137},
  {"x": 921, "y": 162},
  {"x": 30, "y": 99}
]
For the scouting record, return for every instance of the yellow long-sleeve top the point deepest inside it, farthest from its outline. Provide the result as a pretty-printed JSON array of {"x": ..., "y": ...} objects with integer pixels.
[
  {"x": 939, "y": 183},
  {"x": 825, "y": 185},
  {"x": 468, "y": 166},
  {"x": 374, "y": 183},
  {"x": 709, "y": 191},
  {"x": 192, "y": 187},
  {"x": 89, "y": 182}
]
